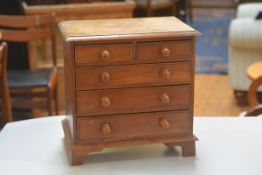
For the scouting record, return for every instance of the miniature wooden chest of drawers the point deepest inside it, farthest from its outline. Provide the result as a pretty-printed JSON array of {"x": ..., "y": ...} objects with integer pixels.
[{"x": 128, "y": 82}]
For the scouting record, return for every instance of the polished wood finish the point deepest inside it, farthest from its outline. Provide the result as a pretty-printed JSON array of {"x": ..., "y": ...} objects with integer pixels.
[
  {"x": 132, "y": 126},
  {"x": 130, "y": 102},
  {"x": 88, "y": 78},
  {"x": 20, "y": 30},
  {"x": 124, "y": 29},
  {"x": 165, "y": 51},
  {"x": 6, "y": 115},
  {"x": 133, "y": 100}
]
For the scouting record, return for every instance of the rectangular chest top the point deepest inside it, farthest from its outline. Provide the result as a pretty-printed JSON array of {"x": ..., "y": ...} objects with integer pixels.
[{"x": 125, "y": 28}]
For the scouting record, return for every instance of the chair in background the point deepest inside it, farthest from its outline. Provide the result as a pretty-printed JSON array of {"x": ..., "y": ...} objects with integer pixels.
[
  {"x": 153, "y": 5},
  {"x": 32, "y": 84},
  {"x": 254, "y": 72},
  {"x": 6, "y": 115},
  {"x": 245, "y": 47}
]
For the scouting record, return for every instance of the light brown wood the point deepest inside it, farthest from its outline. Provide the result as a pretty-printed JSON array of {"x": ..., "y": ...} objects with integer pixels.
[
  {"x": 85, "y": 30},
  {"x": 252, "y": 92},
  {"x": 213, "y": 98},
  {"x": 139, "y": 101},
  {"x": 106, "y": 129},
  {"x": 88, "y": 78},
  {"x": 254, "y": 72},
  {"x": 164, "y": 123}
]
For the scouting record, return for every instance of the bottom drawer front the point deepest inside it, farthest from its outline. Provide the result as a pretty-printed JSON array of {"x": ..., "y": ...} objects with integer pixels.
[{"x": 135, "y": 126}]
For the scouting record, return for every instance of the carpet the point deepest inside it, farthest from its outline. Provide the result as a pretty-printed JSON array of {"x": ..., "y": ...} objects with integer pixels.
[{"x": 212, "y": 45}]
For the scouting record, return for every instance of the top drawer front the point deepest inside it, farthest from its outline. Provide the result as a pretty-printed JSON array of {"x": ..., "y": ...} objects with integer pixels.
[
  {"x": 164, "y": 51},
  {"x": 103, "y": 53}
]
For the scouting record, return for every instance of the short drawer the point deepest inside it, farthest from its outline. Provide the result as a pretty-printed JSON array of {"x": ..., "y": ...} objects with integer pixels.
[
  {"x": 103, "y": 53},
  {"x": 133, "y": 75},
  {"x": 135, "y": 126},
  {"x": 165, "y": 51},
  {"x": 132, "y": 100}
]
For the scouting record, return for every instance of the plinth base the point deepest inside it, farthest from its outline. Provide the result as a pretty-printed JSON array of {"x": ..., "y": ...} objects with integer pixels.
[{"x": 76, "y": 153}]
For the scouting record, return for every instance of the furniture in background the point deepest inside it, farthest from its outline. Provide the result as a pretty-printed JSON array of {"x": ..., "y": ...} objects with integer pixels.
[
  {"x": 227, "y": 146},
  {"x": 38, "y": 83},
  {"x": 64, "y": 12},
  {"x": 6, "y": 115},
  {"x": 102, "y": 10},
  {"x": 152, "y": 5},
  {"x": 254, "y": 72},
  {"x": 245, "y": 47},
  {"x": 247, "y": 1},
  {"x": 15, "y": 50},
  {"x": 132, "y": 85},
  {"x": 180, "y": 8}
]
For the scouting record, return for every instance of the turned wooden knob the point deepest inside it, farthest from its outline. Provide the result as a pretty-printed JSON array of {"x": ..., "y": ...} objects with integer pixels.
[
  {"x": 105, "y": 76},
  {"x": 166, "y": 73},
  {"x": 105, "y": 55},
  {"x": 164, "y": 123},
  {"x": 165, "y": 98},
  {"x": 106, "y": 128},
  {"x": 105, "y": 101},
  {"x": 165, "y": 52}
]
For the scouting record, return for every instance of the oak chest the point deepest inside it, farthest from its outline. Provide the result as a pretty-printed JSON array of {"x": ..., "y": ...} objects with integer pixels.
[{"x": 128, "y": 82}]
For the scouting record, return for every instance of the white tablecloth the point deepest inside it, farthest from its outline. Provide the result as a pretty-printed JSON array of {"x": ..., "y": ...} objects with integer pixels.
[{"x": 226, "y": 146}]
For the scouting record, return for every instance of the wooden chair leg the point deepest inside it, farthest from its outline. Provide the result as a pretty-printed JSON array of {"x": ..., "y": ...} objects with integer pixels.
[
  {"x": 190, "y": 10},
  {"x": 49, "y": 102},
  {"x": 148, "y": 9},
  {"x": 56, "y": 100},
  {"x": 7, "y": 109},
  {"x": 252, "y": 92},
  {"x": 174, "y": 9}
]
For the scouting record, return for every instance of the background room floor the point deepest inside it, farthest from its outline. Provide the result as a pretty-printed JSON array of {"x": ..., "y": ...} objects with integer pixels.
[{"x": 214, "y": 96}]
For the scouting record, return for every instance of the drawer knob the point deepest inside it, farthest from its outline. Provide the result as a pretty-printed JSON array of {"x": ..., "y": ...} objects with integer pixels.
[
  {"x": 164, "y": 123},
  {"x": 166, "y": 52},
  {"x": 105, "y": 76},
  {"x": 166, "y": 73},
  {"x": 106, "y": 129},
  {"x": 105, "y": 55},
  {"x": 165, "y": 98},
  {"x": 105, "y": 101}
]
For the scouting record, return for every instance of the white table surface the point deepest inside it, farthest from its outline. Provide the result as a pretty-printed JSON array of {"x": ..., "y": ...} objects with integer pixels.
[{"x": 226, "y": 146}]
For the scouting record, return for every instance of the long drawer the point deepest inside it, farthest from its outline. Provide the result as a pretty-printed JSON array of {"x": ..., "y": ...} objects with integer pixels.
[
  {"x": 136, "y": 126},
  {"x": 88, "y": 78},
  {"x": 133, "y": 100}
]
